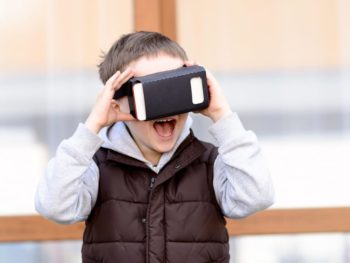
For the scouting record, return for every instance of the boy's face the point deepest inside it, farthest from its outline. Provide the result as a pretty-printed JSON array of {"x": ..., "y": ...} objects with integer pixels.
[{"x": 157, "y": 136}]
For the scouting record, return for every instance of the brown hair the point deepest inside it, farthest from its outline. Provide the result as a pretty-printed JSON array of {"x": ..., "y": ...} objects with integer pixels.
[{"x": 132, "y": 46}]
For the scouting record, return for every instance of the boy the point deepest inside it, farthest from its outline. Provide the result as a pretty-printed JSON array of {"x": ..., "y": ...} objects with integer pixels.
[{"x": 149, "y": 191}]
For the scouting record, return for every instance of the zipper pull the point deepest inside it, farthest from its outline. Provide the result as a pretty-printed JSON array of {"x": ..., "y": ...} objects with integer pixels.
[{"x": 153, "y": 179}]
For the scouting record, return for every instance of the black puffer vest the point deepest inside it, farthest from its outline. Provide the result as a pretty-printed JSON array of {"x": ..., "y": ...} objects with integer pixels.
[{"x": 171, "y": 217}]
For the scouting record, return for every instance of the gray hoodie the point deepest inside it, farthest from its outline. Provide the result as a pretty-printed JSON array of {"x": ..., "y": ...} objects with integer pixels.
[{"x": 68, "y": 190}]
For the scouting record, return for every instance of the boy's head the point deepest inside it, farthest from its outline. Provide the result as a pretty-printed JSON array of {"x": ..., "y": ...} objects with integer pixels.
[
  {"x": 146, "y": 53},
  {"x": 133, "y": 46}
]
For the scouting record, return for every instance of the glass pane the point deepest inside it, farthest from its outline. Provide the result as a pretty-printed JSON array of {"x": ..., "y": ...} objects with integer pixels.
[
  {"x": 53, "y": 252},
  {"x": 284, "y": 65},
  {"x": 311, "y": 248},
  {"x": 308, "y": 248},
  {"x": 48, "y": 79}
]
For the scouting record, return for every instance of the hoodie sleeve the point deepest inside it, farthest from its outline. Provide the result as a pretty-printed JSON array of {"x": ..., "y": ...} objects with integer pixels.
[
  {"x": 68, "y": 191},
  {"x": 242, "y": 182}
]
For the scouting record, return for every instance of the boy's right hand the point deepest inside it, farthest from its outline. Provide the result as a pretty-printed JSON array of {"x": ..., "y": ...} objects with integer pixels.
[{"x": 106, "y": 111}]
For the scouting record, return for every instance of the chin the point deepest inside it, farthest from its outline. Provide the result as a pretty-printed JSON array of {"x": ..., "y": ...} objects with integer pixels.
[{"x": 164, "y": 147}]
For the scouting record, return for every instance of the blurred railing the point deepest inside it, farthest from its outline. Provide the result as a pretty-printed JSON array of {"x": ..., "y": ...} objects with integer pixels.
[{"x": 274, "y": 221}]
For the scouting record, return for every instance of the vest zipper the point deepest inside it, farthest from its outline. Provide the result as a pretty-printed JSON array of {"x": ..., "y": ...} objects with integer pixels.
[{"x": 153, "y": 179}]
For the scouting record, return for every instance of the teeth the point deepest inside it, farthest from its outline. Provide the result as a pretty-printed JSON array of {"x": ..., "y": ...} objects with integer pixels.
[{"x": 164, "y": 120}]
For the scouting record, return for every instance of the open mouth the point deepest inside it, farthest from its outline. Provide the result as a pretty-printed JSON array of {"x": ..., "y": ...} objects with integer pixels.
[{"x": 164, "y": 127}]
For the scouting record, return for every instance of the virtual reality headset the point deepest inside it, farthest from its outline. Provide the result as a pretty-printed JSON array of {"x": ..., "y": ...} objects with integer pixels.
[{"x": 166, "y": 93}]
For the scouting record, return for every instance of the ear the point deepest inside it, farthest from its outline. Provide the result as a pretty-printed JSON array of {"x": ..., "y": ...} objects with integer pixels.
[
  {"x": 123, "y": 104},
  {"x": 115, "y": 105}
]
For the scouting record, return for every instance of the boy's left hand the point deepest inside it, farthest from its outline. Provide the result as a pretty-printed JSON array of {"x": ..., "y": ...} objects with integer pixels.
[{"x": 218, "y": 105}]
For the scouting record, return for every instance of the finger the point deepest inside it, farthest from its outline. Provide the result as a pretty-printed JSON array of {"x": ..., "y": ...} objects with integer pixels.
[
  {"x": 114, "y": 82},
  {"x": 210, "y": 78},
  {"x": 189, "y": 63},
  {"x": 125, "y": 76},
  {"x": 122, "y": 76},
  {"x": 108, "y": 90},
  {"x": 110, "y": 81},
  {"x": 125, "y": 116}
]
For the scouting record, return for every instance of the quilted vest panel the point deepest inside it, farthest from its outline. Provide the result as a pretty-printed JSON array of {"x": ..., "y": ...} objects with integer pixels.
[{"x": 170, "y": 217}]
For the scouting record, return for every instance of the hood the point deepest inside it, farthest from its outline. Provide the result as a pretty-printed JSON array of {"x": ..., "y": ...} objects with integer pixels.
[{"x": 117, "y": 138}]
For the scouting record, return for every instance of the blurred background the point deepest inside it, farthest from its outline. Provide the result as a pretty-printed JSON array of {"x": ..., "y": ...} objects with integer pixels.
[{"x": 283, "y": 64}]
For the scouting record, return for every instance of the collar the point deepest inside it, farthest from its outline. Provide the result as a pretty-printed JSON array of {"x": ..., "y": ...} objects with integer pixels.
[
  {"x": 189, "y": 150},
  {"x": 118, "y": 139}
]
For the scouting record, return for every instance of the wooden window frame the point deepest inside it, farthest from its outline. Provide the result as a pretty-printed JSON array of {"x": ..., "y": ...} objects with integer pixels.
[
  {"x": 156, "y": 15},
  {"x": 270, "y": 222}
]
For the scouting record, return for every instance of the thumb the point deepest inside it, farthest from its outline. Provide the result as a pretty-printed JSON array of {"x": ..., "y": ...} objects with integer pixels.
[{"x": 125, "y": 116}]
